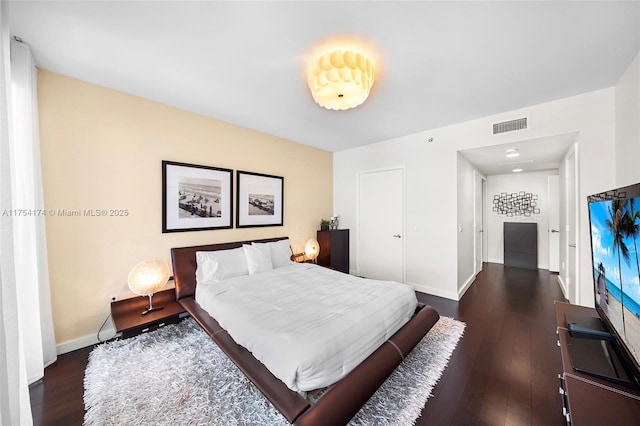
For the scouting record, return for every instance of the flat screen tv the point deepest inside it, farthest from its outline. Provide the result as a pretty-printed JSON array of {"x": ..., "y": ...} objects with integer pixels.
[{"x": 614, "y": 218}]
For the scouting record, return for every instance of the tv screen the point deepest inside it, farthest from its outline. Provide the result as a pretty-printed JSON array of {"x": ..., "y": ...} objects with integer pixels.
[{"x": 615, "y": 240}]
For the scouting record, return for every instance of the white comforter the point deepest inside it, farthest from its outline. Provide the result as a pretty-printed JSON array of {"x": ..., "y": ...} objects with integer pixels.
[{"x": 308, "y": 325}]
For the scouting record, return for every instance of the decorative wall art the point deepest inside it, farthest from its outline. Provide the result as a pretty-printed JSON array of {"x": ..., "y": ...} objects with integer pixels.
[
  {"x": 516, "y": 204},
  {"x": 260, "y": 200},
  {"x": 196, "y": 198}
]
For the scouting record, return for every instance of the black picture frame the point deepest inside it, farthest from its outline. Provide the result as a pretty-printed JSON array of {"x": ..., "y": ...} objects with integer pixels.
[
  {"x": 259, "y": 200},
  {"x": 190, "y": 195}
]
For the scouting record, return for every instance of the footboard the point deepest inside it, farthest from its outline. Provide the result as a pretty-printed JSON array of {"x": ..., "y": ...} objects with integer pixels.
[{"x": 344, "y": 399}]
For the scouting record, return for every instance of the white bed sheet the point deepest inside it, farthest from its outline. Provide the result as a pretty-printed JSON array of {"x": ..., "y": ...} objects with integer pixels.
[{"x": 309, "y": 325}]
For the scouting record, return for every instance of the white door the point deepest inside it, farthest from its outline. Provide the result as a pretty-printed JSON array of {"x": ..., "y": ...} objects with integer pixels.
[
  {"x": 380, "y": 241},
  {"x": 572, "y": 244},
  {"x": 478, "y": 220},
  {"x": 553, "y": 186}
]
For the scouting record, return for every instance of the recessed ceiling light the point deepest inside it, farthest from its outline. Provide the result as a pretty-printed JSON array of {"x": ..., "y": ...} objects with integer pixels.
[
  {"x": 512, "y": 153},
  {"x": 516, "y": 170}
]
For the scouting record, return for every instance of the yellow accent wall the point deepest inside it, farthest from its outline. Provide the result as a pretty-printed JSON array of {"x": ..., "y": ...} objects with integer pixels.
[{"x": 102, "y": 149}]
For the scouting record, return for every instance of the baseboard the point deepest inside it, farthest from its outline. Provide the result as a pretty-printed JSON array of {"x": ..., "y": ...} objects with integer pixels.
[
  {"x": 563, "y": 286},
  {"x": 435, "y": 291},
  {"x": 466, "y": 286},
  {"x": 443, "y": 293},
  {"x": 82, "y": 342}
]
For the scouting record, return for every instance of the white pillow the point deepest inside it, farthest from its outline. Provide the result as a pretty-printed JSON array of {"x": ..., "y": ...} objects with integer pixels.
[
  {"x": 220, "y": 265},
  {"x": 280, "y": 252},
  {"x": 258, "y": 258}
]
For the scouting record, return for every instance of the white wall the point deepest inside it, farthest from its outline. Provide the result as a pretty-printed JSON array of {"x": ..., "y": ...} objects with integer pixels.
[
  {"x": 433, "y": 254},
  {"x": 431, "y": 189},
  {"x": 628, "y": 126},
  {"x": 535, "y": 183}
]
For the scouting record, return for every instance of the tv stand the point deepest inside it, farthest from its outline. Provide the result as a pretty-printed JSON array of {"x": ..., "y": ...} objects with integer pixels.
[{"x": 588, "y": 399}]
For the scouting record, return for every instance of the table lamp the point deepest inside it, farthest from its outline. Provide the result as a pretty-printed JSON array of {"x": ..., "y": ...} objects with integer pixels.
[
  {"x": 146, "y": 278},
  {"x": 311, "y": 249}
]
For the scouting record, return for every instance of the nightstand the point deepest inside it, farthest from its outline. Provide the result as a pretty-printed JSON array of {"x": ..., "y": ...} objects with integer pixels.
[
  {"x": 301, "y": 258},
  {"x": 298, "y": 257},
  {"x": 128, "y": 319}
]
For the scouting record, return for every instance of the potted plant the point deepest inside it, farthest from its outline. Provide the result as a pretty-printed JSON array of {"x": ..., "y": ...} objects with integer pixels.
[{"x": 324, "y": 224}]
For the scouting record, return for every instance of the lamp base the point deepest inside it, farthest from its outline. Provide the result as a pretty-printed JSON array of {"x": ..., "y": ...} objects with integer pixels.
[
  {"x": 151, "y": 308},
  {"x": 154, "y": 308}
]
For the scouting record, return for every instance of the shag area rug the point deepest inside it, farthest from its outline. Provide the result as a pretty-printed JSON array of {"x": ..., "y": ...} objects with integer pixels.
[{"x": 178, "y": 376}]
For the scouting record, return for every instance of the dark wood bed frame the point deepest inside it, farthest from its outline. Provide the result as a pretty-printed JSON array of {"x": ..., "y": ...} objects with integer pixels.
[{"x": 343, "y": 399}]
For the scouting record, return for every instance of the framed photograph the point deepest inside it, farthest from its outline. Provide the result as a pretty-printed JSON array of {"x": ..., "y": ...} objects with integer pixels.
[
  {"x": 196, "y": 198},
  {"x": 259, "y": 201}
]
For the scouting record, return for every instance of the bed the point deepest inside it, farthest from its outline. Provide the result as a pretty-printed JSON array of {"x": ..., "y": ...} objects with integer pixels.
[{"x": 362, "y": 375}]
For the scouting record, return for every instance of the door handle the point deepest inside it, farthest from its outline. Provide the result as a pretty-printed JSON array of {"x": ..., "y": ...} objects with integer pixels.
[
  {"x": 572, "y": 245},
  {"x": 397, "y": 236},
  {"x": 554, "y": 231},
  {"x": 481, "y": 230}
]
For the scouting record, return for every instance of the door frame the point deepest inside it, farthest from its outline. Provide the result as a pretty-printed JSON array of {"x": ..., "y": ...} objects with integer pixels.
[
  {"x": 554, "y": 260},
  {"x": 404, "y": 214},
  {"x": 572, "y": 220},
  {"x": 479, "y": 210}
]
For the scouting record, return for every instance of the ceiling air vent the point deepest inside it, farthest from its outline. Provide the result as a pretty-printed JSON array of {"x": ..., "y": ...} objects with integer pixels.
[{"x": 510, "y": 126}]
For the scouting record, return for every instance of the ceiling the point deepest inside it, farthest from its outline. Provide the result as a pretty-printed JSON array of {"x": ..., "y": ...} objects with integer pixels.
[
  {"x": 438, "y": 63},
  {"x": 533, "y": 155}
]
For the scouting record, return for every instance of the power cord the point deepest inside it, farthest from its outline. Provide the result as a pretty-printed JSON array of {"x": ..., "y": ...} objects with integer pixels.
[{"x": 100, "y": 331}]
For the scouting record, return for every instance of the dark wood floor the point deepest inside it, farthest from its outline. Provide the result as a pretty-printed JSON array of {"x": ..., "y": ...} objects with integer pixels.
[
  {"x": 503, "y": 372},
  {"x": 505, "y": 369}
]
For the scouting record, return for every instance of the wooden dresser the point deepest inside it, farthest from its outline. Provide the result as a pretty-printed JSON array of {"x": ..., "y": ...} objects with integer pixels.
[
  {"x": 334, "y": 249},
  {"x": 588, "y": 400}
]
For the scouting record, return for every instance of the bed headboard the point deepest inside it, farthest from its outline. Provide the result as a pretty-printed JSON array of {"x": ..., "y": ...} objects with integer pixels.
[{"x": 183, "y": 260}]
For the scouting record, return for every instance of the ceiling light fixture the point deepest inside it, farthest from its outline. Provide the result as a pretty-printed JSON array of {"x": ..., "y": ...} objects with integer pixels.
[
  {"x": 516, "y": 170},
  {"x": 510, "y": 153},
  {"x": 340, "y": 78}
]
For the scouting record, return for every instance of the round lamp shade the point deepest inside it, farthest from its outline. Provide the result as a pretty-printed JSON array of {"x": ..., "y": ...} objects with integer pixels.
[
  {"x": 312, "y": 248},
  {"x": 148, "y": 276},
  {"x": 340, "y": 79}
]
